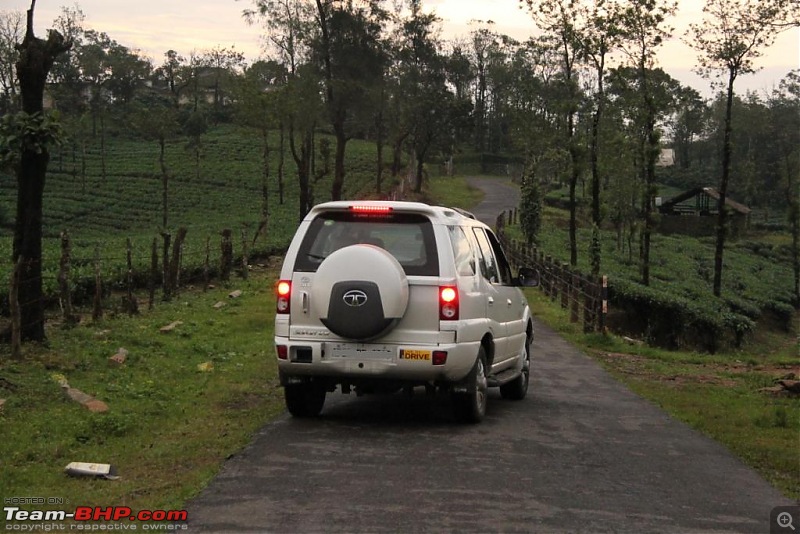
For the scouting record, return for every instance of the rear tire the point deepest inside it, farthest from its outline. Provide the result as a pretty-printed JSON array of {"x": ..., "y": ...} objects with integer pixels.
[
  {"x": 304, "y": 400},
  {"x": 518, "y": 388},
  {"x": 470, "y": 407}
]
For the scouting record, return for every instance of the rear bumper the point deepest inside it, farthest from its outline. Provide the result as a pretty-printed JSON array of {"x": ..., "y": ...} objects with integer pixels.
[{"x": 307, "y": 359}]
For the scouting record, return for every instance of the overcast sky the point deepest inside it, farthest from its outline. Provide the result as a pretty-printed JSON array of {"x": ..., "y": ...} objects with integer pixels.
[{"x": 155, "y": 26}]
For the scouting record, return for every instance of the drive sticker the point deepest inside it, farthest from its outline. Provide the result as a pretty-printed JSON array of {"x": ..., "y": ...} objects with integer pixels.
[{"x": 421, "y": 355}]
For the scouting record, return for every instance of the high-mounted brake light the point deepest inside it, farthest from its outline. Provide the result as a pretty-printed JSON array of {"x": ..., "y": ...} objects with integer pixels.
[
  {"x": 367, "y": 209},
  {"x": 448, "y": 303},
  {"x": 283, "y": 292}
]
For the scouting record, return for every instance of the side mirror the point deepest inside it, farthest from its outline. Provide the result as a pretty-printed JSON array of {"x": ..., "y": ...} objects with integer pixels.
[{"x": 528, "y": 277}]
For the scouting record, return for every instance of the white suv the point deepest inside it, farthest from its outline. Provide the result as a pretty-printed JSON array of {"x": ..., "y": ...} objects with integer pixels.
[{"x": 382, "y": 296}]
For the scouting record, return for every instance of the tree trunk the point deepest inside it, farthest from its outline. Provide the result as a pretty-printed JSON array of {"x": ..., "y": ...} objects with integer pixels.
[
  {"x": 650, "y": 174},
  {"x": 197, "y": 159},
  {"x": 596, "y": 215},
  {"x": 723, "y": 190},
  {"x": 103, "y": 147},
  {"x": 281, "y": 156},
  {"x": 164, "y": 184},
  {"x": 262, "y": 225},
  {"x": 650, "y": 152},
  {"x": 28, "y": 242},
  {"x": 573, "y": 183},
  {"x": 302, "y": 161},
  {"x": 338, "y": 165},
  {"x": 35, "y": 60},
  {"x": 418, "y": 176},
  {"x": 573, "y": 214},
  {"x": 379, "y": 147},
  {"x": 397, "y": 153}
]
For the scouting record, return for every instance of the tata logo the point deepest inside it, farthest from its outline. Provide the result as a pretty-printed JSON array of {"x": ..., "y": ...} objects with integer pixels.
[{"x": 355, "y": 298}]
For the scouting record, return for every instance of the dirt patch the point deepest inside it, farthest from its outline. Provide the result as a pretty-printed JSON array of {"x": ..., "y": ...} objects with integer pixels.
[
  {"x": 641, "y": 367},
  {"x": 708, "y": 380}
]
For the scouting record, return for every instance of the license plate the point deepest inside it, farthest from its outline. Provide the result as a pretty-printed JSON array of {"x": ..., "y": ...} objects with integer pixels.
[
  {"x": 419, "y": 355},
  {"x": 364, "y": 352}
]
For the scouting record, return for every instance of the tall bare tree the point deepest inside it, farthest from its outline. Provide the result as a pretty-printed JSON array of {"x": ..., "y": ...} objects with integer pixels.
[
  {"x": 643, "y": 27},
  {"x": 731, "y": 36},
  {"x": 562, "y": 23},
  {"x": 785, "y": 140},
  {"x": 598, "y": 40},
  {"x": 36, "y": 57}
]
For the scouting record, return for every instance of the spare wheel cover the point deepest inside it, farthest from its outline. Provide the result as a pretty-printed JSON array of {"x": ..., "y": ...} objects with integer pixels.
[{"x": 360, "y": 292}]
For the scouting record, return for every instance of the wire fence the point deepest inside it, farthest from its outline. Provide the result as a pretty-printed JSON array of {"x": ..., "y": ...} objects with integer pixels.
[
  {"x": 124, "y": 275},
  {"x": 585, "y": 297},
  {"x": 137, "y": 277},
  {"x": 90, "y": 286}
]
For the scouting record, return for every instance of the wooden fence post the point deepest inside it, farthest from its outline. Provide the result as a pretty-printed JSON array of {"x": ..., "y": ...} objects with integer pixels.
[
  {"x": 245, "y": 267},
  {"x": 588, "y": 307},
  {"x": 500, "y": 225},
  {"x": 545, "y": 276},
  {"x": 207, "y": 265},
  {"x": 153, "y": 273},
  {"x": 575, "y": 298},
  {"x": 565, "y": 285},
  {"x": 97, "y": 309},
  {"x": 165, "y": 278},
  {"x": 175, "y": 263},
  {"x": 131, "y": 305},
  {"x": 226, "y": 262}
]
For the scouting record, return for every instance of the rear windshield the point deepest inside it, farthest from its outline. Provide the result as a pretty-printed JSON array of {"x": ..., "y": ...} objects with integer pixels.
[{"x": 407, "y": 236}]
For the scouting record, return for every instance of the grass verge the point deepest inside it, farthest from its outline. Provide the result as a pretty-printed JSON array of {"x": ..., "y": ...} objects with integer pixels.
[
  {"x": 453, "y": 191},
  {"x": 180, "y": 404}
]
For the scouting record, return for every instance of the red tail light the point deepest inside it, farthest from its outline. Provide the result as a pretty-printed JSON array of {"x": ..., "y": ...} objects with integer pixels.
[
  {"x": 283, "y": 352},
  {"x": 283, "y": 293},
  {"x": 448, "y": 303}
]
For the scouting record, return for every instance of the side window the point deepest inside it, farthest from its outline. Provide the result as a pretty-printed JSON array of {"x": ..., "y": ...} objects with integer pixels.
[
  {"x": 462, "y": 251},
  {"x": 503, "y": 266},
  {"x": 488, "y": 264}
]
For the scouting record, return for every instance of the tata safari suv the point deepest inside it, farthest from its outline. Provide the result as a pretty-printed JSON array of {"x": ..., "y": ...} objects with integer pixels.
[{"x": 384, "y": 296}]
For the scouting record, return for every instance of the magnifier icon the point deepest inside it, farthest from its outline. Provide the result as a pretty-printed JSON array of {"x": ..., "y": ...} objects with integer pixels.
[{"x": 785, "y": 520}]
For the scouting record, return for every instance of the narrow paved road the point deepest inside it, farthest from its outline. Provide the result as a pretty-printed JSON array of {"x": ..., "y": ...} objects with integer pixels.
[
  {"x": 499, "y": 195},
  {"x": 580, "y": 454}
]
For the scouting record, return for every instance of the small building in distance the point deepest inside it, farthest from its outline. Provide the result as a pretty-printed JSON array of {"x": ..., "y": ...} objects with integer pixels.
[{"x": 694, "y": 212}]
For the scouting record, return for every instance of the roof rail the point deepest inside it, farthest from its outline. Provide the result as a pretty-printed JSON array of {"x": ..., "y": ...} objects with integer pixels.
[{"x": 465, "y": 213}]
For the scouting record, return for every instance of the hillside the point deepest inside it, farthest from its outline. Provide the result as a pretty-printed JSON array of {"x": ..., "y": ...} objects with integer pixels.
[{"x": 103, "y": 213}]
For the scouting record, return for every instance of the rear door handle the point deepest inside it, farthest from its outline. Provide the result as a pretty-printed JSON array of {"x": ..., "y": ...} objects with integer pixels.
[
  {"x": 305, "y": 302},
  {"x": 491, "y": 301},
  {"x": 508, "y": 301}
]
